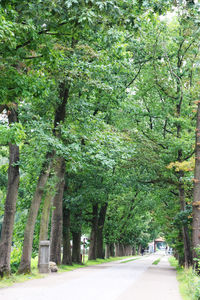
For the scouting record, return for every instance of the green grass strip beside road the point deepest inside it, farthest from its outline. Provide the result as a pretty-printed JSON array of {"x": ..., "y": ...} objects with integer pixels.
[
  {"x": 189, "y": 282},
  {"x": 128, "y": 260},
  {"x": 98, "y": 261},
  {"x": 156, "y": 261},
  {"x": 15, "y": 278}
]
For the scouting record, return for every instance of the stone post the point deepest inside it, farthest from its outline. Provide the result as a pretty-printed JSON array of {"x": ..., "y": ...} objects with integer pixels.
[
  {"x": 107, "y": 251},
  {"x": 44, "y": 257}
]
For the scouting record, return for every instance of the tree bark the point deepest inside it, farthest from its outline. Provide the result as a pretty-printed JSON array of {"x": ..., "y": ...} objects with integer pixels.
[
  {"x": 196, "y": 198},
  {"x": 44, "y": 223},
  {"x": 112, "y": 250},
  {"x": 127, "y": 250},
  {"x": 185, "y": 231},
  {"x": 57, "y": 217},
  {"x": 93, "y": 236},
  {"x": 101, "y": 221},
  {"x": 140, "y": 249},
  {"x": 116, "y": 249},
  {"x": 10, "y": 203},
  {"x": 25, "y": 264},
  {"x": 76, "y": 248},
  {"x": 121, "y": 249},
  {"x": 67, "y": 255}
]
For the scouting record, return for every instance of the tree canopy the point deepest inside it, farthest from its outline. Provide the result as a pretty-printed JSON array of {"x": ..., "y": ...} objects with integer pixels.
[{"x": 97, "y": 128}]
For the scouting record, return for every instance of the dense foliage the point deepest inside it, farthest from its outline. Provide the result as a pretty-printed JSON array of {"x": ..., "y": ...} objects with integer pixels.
[{"x": 106, "y": 91}]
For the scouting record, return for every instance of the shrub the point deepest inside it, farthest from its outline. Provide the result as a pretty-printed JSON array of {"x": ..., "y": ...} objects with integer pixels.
[{"x": 15, "y": 259}]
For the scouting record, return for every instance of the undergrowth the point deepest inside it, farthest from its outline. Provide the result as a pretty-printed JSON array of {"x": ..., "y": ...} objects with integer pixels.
[
  {"x": 16, "y": 278},
  {"x": 189, "y": 281}
]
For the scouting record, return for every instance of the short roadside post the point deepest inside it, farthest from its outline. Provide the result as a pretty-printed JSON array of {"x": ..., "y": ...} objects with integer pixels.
[{"x": 44, "y": 257}]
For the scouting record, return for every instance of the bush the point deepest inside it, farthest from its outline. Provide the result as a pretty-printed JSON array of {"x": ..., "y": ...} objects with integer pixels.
[
  {"x": 195, "y": 284},
  {"x": 192, "y": 283},
  {"x": 15, "y": 259}
]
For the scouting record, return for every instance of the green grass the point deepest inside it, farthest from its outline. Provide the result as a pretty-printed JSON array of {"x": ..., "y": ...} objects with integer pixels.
[
  {"x": 16, "y": 278},
  {"x": 189, "y": 282},
  {"x": 173, "y": 262},
  {"x": 156, "y": 261},
  {"x": 98, "y": 261},
  {"x": 125, "y": 261}
]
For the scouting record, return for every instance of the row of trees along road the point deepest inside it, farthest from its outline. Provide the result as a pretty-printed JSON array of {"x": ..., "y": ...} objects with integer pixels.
[{"x": 97, "y": 127}]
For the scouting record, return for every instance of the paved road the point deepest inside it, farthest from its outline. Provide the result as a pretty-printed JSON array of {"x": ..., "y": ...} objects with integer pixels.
[{"x": 138, "y": 280}]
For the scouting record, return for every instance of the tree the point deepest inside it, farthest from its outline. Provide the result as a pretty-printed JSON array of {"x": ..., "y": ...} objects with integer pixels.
[
  {"x": 196, "y": 202},
  {"x": 11, "y": 198}
]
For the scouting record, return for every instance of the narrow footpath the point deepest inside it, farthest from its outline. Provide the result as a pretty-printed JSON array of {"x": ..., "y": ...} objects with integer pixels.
[{"x": 133, "y": 280}]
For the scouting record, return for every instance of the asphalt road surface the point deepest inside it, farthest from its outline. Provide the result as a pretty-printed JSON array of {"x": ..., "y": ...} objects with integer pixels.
[{"x": 133, "y": 280}]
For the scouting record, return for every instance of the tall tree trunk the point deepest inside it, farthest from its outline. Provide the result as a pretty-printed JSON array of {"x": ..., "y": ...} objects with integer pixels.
[
  {"x": 196, "y": 199},
  {"x": 180, "y": 175},
  {"x": 116, "y": 249},
  {"x": 112, "y": 250},
  {"x": 57, "y": 217},
  {"x": 107, "y": 251},
  {"x": 76, "y": 248},
  {"x": 25, "y": 264},
  {"x": 101, "y": 221},
  {"x": 121, "y": 249},
  {"x": 93, "y": 236},
  {"x": 44, "y": 223},
  {"x": 56, "y": 223},
  {"x": 10, "y": 203},
  {"x": 185, "y": 231},
  {"x": 67, "y": 255}
]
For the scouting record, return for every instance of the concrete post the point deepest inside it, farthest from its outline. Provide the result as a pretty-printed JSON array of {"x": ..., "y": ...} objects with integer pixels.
[
  {"x": 44, "y": 257},
  {"x": 107, "y": 251}
]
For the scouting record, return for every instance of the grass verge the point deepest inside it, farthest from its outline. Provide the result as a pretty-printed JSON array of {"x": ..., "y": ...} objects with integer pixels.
[
  {"x": 125, "y": 261},
  {"x": 189, "y": 282},
  {"x": 156, "y": 261},
  {"x": 98, "y": 261},
  {"x": 16, "y": 278}
]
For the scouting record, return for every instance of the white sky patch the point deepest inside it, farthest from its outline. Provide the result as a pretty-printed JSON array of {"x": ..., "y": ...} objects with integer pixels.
[
  {"x": 169, "y": 15},
  {"x": 4, "y": 117},
  {"x": 131, "y": 91}
]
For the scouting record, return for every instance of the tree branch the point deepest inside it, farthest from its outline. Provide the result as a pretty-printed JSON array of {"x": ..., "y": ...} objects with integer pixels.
[
  {"x": 32, "y": 57},
  {"x": 189, "y": 156},
  {"x": 135, "y": 77},
  {"x": 161, "y": 180}
]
